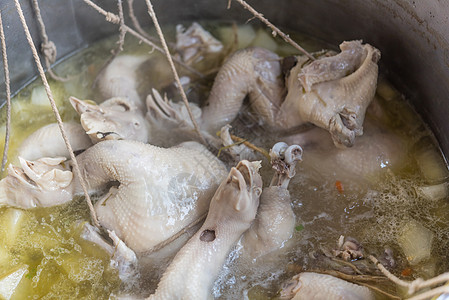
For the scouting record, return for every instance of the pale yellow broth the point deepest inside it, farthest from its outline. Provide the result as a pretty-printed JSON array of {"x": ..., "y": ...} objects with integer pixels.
[{"x": 58, "y": 263}]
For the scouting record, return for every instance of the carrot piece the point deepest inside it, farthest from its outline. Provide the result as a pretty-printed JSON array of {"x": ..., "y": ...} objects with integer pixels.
[
  {"x": 339, "y": 186},
  {"x": 407, "y": 272}
]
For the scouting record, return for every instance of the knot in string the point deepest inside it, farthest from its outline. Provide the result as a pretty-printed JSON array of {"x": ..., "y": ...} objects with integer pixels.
[
  {"x": 49, "y": 51},
  {"x": 110, "y": 17}
]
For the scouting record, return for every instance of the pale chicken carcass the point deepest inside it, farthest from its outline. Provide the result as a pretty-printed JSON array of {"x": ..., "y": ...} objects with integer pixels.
[
  {"x": 335, "y": 99},
  {"x": 331, "y": 92},
  {"x": 160, "y": 190},
  {"x": 151, "y": 192},
  {"x": 232, "y": 209},
  {"x": 314, "y": 286}
]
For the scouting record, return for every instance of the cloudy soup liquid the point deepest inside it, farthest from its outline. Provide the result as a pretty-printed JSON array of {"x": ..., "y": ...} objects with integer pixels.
[{"x": 405, "y": 199}]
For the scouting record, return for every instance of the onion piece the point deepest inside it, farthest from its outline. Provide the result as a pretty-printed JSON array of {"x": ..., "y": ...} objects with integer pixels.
[
  {"x": 416, "y": 242},
  {"x": 10, "y": 281},
  {"x": 245, "y": 35},
  {"x": 264, "y": 40},
  {"x": 433, "y": 192},
  {"x": 11, "y": 222}
]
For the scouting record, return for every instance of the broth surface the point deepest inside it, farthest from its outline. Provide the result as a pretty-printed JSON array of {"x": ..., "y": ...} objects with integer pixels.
[{"x": 376, "y": 209}]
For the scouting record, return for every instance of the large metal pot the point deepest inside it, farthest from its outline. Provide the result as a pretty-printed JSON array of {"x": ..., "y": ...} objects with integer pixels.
[{"x": 413, "y": 37}]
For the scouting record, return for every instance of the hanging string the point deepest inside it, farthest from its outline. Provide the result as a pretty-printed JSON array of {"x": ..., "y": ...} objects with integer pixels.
[
  {"x": 120, "y": 42},
  {"x": 175, "y": 73},
  {"x": 136, "y": 23},
  {"x": 417, "y": 284},
  {"x": 56, "y": 112},
  {"x": 177, "y": 235},
  {"x": 112, "y": 18},
  {"x": 274, "y": 28},
  {"x": 8, "y": 94},
  {"x": 48, "y": 48},
  {"x": 122, "y": 34}
]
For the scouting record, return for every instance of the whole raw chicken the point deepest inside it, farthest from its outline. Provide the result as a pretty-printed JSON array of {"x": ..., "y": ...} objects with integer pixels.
[
  {"x": 331, "y": 92},
  {"x": 232, "y": 209},
  {"x": 151, "y": 192}
]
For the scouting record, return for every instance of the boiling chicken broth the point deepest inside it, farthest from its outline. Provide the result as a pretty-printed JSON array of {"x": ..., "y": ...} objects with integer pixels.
[
  {"x": 404, "y": 199},
  {"x": 397, "y": 213}
]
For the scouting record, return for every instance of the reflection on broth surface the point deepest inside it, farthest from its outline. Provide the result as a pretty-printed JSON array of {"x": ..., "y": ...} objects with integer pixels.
[{"x": 388, "y": 192}]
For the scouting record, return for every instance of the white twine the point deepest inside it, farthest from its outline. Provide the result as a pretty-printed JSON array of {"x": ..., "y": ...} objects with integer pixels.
[
  {"x": 56, "y": 112},
  {"x": 175, "y": 73},
  {"x": 8, "y": 94}
]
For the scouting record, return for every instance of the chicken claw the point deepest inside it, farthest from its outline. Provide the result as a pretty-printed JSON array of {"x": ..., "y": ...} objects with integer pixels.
[
  {"x": 237, "y": 151},
  {"x": 123, "y": 259},
  {"x": 195, "y": 42},
  {"x": 41, "y": 183},
  {"x": 113, "y": 119},
  {"x": 165, "y": 115},
  {"x": 283, "y": 160}
]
